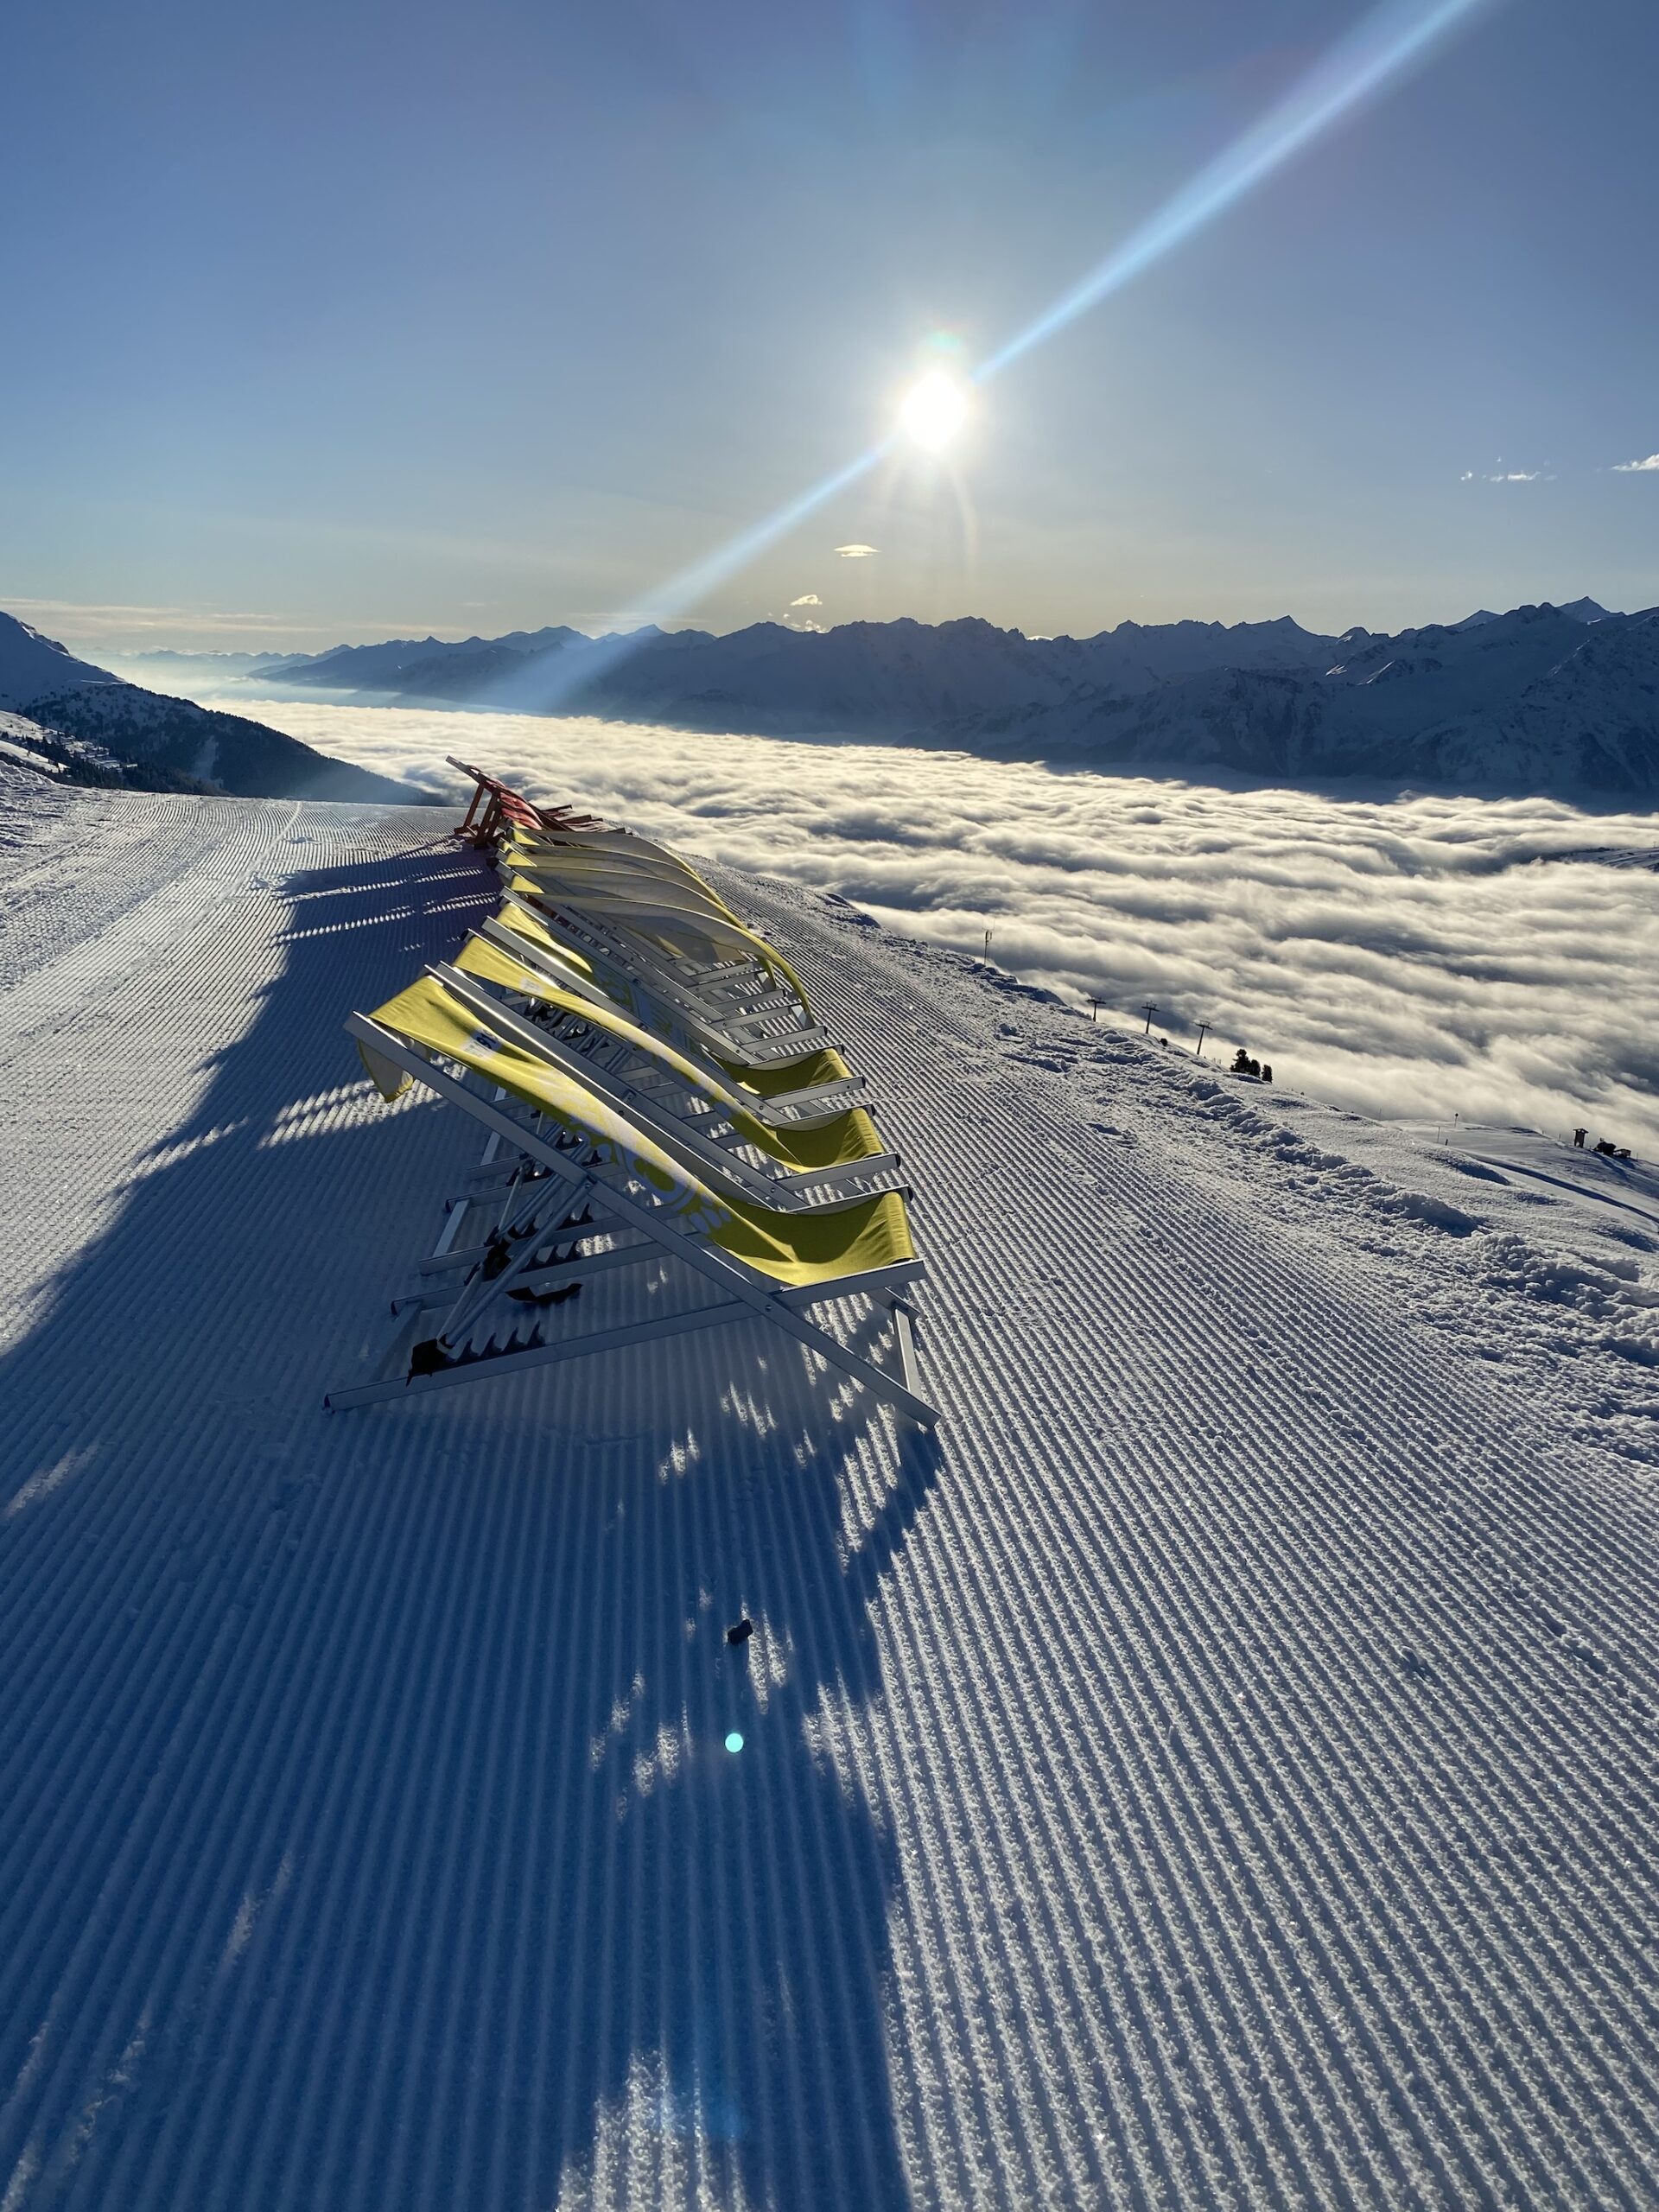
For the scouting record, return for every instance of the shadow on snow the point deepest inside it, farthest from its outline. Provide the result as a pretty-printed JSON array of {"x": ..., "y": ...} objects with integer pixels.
[{"x": 367, "y": 1832}]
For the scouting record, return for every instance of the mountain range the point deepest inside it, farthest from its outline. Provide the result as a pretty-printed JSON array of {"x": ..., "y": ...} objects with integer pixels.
[
  {"x": 1540, "y": 698},
  {"x": 71, "y": 717}
]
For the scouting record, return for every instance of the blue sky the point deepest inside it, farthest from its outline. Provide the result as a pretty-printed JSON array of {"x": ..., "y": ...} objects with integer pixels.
[{"x": 340, "y": 321}]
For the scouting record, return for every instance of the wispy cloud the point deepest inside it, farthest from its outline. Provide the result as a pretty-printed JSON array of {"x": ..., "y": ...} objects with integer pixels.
[
  {"x": 1636, "y": 467},
  {"x": 856, "y": 552},
  {"x": 110, "y": 628},
  {"x": 807, "y": 599},
  {"x": 1418, "y": 957},
  {"x": 1509, "y": 476},
  {"x": 73, "y": 612}
]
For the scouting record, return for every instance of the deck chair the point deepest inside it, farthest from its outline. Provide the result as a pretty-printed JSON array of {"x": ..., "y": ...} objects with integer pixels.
[
  {"x": 607, "y": 837},
  {"x": 608, "y": 843},
  {"x": 528, "y": 926},
  {"x": 645, "y": 876},
  {"x": 587, "y": 1218},
  {"x": 496, "y": 957},
  {"x": 786, "y": 1083},
  {"x": 687, "y": 924},
  {"x": 495, "y": 811},
  {"x": 723, "y": 995},
  {"x": 583, "y": 863},
  {"x": 716, "y": 965},
  {"x": 704, "y": 930},
  {"x": 834, "y": 1161},
  {"x": 773, "y": 1028}
]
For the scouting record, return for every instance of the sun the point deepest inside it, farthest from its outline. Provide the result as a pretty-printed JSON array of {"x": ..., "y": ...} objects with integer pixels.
[{"x": 934, "y": 409}]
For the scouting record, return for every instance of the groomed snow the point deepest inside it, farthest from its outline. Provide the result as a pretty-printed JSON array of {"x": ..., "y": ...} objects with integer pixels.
[{"x": 1216, "y": 1770}]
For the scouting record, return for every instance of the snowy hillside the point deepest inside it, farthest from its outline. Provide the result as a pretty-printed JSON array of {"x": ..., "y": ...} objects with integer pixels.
[
  {"x": 1216, "y": 1770},
  {"x": 33, "y": 666},
  {"x": 162, "y": 743}
]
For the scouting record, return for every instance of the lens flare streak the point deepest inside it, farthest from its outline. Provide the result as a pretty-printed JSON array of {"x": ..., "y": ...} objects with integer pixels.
[
  {"x": 1391, "y": 40},
  {"x": 1385, "y": 45}
]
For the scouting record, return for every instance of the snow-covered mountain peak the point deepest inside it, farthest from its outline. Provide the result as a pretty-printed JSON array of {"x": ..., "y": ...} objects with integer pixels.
[{"x": 32, "y": 664}]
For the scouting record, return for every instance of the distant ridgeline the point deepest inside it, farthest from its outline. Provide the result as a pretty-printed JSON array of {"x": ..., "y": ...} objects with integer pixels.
[
  {"x": 88, "y": 727},
  {"x": 1557, "y": 698}
]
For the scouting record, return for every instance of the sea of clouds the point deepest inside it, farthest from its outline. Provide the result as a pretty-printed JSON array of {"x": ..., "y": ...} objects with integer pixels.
[{"x": 1417, "y": 955}]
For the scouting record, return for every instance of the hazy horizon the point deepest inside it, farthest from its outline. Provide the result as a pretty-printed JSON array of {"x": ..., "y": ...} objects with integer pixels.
[{"x": 131, "y": 654}]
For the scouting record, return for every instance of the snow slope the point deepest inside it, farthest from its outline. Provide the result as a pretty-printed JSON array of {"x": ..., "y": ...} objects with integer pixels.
[
  {"x": 164, "y": 742},
  {"x": 33, "y": 665},
  {"x": 1216, "y": 1770}
]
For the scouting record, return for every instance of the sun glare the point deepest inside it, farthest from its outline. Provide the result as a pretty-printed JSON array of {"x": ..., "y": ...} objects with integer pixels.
[{"x": 935, "y": 409}]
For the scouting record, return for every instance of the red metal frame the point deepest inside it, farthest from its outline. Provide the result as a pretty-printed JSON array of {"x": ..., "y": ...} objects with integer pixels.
[{"x": 495, "y": 807}]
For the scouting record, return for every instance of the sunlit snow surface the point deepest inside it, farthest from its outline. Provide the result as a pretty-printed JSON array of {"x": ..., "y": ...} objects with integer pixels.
[
  {"x": 1214, "y": 1770},
  {"x": 1421, "y": 957}
]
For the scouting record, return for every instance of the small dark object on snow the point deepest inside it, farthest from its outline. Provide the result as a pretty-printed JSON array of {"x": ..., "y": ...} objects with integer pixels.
[
  {"x": 1623, "y": 1152},
  {"x": 1267, "y": 1070},
  {"x": 1243, "y": 1064},
  {"x": 1606, "y": 1144},
  {"x": 557, "y": 1296},
  {"x": 740, "y": 1631},
  {"x": 428, "y": 1357},
  {"x": 1578, "y": 1137}
]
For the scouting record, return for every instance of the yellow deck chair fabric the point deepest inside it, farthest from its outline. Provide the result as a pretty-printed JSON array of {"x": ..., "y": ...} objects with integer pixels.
[
  {"x": 779, "y": 1078},
  {"x": 552, "y": 938},
  {"x": 581, "y": 886},
  {"x": 775, "y": 1081},
  {"x": 664, "y": 923},
  {"x": 671, "y": 921},
  {"x": 799, "y": 1250},
  {"x": 538, "y": 934},
  {"x": 848, "y": 1136},
  {"x": 769, "y": 1080},
  {"x": 610, "y": 851},
  {"x": 622, "y": 869}
]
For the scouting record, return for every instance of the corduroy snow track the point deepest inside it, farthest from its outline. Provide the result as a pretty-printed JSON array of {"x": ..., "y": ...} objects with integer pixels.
[{"x": 1217, "y": 1768}]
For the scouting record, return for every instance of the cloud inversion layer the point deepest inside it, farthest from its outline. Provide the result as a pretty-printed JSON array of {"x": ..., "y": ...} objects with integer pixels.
[{"x": 1417, "y": 956}]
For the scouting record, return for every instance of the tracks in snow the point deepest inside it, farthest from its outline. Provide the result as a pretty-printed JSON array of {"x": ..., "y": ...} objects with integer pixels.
[{"x": 1219, "y": 1771}]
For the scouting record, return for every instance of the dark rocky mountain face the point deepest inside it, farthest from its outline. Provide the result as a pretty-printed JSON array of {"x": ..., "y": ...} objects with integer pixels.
[
  {"x": 1541, "y": 698},
  {"x": 1534, "y": 700},
  {"x": 174, "y": 745},
  {"x": 899, "y": 678},
  {"x": 113, "y": 731}
]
